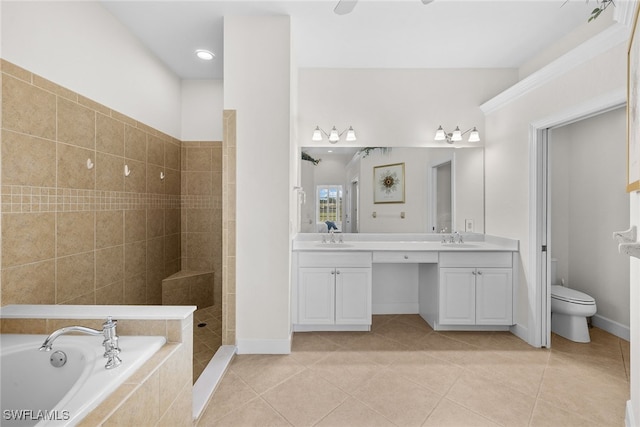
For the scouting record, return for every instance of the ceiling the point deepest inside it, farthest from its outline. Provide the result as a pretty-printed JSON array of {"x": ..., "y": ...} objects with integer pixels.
[{"x": 376, "y": 34}]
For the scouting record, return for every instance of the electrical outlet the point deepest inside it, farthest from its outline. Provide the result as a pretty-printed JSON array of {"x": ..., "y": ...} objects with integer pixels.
[{"x": 468, "y": 225}]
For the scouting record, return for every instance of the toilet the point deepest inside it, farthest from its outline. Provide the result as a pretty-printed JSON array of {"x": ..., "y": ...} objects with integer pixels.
[{"x": 569, "y": 310}]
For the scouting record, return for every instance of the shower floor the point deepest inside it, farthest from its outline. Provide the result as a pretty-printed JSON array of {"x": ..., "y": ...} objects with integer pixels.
[{"x": 207, "y": 337}]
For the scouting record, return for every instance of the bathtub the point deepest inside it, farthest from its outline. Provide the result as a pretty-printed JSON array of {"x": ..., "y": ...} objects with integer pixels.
[{"x": 33, "y": 392}]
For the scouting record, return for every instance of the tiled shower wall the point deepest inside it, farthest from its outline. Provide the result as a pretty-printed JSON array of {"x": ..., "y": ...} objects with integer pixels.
[
  {"x": 78, "y": 235},
  {"x": 202, "y": 210}
]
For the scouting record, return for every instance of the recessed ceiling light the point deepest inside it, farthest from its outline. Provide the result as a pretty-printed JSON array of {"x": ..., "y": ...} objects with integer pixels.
[{"x": 205, "y": 54}]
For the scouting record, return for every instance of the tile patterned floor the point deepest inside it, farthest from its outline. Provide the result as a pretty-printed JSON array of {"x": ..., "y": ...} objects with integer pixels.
[
  {"x": 207, "y": 337},
  {"x": 402, "y": 373}
]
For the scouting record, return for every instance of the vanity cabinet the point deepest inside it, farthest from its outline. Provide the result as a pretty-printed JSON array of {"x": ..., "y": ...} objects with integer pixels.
[
  {"x": 334, "y": 289},
  {"x": 475, "y": 289}
]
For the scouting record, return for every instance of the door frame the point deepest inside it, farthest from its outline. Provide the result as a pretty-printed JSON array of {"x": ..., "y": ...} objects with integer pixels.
[{"x": 539, "y": 330}]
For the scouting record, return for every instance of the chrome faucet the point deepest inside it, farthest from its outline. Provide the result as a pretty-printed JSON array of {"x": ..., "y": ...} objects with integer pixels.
[
  {"x": 110, "y": 343},
  {"x": 332, "y": 237}
]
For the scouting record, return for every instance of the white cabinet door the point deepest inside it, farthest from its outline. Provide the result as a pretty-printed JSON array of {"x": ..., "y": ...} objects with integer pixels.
[
  {"x": 316, "y": 296},
  {"x": 494, "y": 296},
  {"x": 353, "y": 296},
  {"x": 457, "y": 299}
]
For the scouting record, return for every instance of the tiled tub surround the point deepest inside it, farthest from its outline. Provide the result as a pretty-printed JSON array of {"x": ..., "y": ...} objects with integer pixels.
[
  {"x": 188, "y": 288},
  {"x": 160, "y": 392},
  {"x": 74, "y": 235}
]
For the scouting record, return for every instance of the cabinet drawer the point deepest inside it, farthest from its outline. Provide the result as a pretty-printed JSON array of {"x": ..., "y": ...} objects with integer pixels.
[
  {"x": 476, "y": 259},
  {"x": 334, "y": 259},
  {"x": 405, "y": 257}
]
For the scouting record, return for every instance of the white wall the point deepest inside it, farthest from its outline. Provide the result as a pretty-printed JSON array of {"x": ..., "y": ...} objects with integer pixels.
[
  {"x": 395, "y": 107},
  {"x": 257, "y": 73},
  {"x": 507, "y": 150},
  {"x": 587, "y": 183},
  {"x": 81, "y": 46},
  {"x": 201, "y": 111}
]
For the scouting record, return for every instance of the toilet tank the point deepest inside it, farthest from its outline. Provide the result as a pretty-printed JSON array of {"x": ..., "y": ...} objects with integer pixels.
[{"x": 554, "y": 271}]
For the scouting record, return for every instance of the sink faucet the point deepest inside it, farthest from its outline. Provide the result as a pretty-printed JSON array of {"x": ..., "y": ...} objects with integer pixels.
[
  {"x": 332, "y": 238},
  {"x": 110, "y": 343},
  {"x": 456, "y": 237}
]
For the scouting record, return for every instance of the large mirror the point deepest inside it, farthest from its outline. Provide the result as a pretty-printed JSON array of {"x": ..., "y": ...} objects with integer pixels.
[{"x": 426, "y": 190}]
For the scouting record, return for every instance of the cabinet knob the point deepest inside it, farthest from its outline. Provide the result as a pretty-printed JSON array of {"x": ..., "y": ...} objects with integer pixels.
[
  {"x": 333, "y": 272},
  {"x": 337, "y": 271},
  {"x": 406, "y": 257},
  {"x": 479, "y": 273},
  {"x": 474, "y": 273}
]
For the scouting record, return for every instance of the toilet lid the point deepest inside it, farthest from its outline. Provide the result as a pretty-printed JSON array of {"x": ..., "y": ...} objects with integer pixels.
[{"x": 570, "y": 295}]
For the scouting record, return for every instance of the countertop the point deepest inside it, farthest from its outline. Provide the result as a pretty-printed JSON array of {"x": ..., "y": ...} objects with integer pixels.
[{"x": 403, "y": 242}]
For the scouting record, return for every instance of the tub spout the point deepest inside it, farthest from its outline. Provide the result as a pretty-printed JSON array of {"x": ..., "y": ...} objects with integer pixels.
[{"x": 110, "y": 343}]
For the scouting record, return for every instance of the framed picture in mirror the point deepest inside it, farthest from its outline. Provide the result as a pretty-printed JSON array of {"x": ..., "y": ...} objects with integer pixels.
[{"x": 388, "y": 183}]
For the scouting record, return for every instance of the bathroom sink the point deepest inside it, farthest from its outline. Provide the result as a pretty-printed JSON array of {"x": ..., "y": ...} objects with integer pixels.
[{"x": 460, "y": 245}]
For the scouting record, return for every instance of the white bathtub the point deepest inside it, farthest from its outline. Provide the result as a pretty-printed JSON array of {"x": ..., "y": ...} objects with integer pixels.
[{"x": 33, "y": 392}]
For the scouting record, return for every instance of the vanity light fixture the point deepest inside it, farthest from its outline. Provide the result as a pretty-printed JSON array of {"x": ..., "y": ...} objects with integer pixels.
[
  {"x": 456, "y": 135},
  {"x": 333, "y": 136},
  {"x": 205, "y": 55}
]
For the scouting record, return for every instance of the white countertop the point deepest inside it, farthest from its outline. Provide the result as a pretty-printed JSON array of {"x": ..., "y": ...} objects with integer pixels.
[
  {"x": 403, "y": 242},
  {"x": 145, "y": 312}
]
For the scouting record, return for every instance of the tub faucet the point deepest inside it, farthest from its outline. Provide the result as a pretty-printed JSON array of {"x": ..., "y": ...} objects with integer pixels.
[{"x": 110, "y": 343}]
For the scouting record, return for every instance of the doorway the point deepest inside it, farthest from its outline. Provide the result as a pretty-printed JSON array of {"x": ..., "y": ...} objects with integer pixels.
[
  {"x": 539, "y": 331},
  {"x": 442, "y": 198}
]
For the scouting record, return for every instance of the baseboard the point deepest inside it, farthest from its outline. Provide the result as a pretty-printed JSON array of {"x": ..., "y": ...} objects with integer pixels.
[
  {"x": 210, "y": 378},
  {"x": 395, "y": 308},
  {"x": 615, "y": 328},
  {"x": 281, "y": 346},
  {"x": 520, "y": 331},
  {"x": 629, "y": 420}
]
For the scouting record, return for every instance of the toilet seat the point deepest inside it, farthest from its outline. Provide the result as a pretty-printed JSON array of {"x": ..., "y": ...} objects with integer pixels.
[{"x": 572, "y": 296}]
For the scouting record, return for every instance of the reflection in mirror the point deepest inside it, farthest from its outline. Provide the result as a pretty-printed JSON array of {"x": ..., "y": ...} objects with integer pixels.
[{"x": 444, "y": 190}]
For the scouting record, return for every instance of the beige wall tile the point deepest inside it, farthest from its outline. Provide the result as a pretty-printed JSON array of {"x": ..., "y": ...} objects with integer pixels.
[
  {"x": 172, "y": 155},
  {"x": 216, "y": 158},
  {"x": 86, "y": 299},
  {"x": 175, "y": 373},
  {"x": 27, "y": 238},
  {"x": 109, "y": 228},
  {"x": 172, "y": 183},
  {"x": 76, "y": 124},
  {"x": 154, "y": 289},
  {"x": 23, "y": 326},
  {"x": 154, "y": 184},
  {"x": 29, "y": 284},
  {"x": 135, "y": 225},
  {"x": 28, "y": 160},
  {"x": 15, "y": 71},
  {"x": 172, "y": 244},
  {"x": 179, "y": 414},
  {"x": 142, "y": 407},
  {"x": 93, "y": 105},
  {"x": 109, "y": 135},
  {"x": 199, "y": 220},
  {"x": 112, "y": 294},
  {"x": 135, "y": 258},
  {"x": 199, "y": 183},
  {"x": 200, "y": 159},
  {"x": 135, "y": 289},
  {"x": 155, "y": 222},
  {"x": 55, "y": 88},
  {"x": 155, "y": 150},
  {"x": 172, "y": 221},
  {"x": 109, "y": 172},
  {"x": 28, "y": 109},
  {"x": 109, "y": 265},
  {"x": 72, "y": 167},
  {"x": 74, "y": 233},
  {"x": 155, "y": 255},
  {"x": 74, "y": 276},
  {"x": 136, "y": 182},
  {"x": 135, "y": 144}
]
